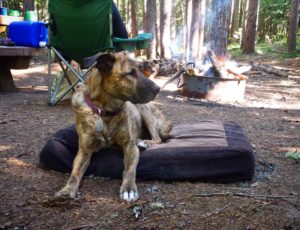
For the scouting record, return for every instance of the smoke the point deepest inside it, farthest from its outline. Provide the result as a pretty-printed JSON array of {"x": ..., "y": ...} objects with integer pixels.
[{"x": 213, "y": 21}]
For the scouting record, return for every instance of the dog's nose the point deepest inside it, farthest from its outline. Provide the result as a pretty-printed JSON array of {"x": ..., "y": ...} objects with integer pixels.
[
  {"x": 147, "y": 90},
  {"x": 156, "y": 89}
]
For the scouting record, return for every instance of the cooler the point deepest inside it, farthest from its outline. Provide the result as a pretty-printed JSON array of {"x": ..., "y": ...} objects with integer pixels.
[{"x": 28, "y": 33}]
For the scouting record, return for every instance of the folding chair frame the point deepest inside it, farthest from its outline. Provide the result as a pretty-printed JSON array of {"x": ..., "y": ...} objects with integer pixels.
[{"x": 62, "y": 61}]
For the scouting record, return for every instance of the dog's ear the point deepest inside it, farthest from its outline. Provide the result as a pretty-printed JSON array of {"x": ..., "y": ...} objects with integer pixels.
[{"x": 105, "y": 63}]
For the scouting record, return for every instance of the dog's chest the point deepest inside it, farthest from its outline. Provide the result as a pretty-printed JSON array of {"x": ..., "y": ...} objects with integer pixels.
[{"x": 106, "y": 131}]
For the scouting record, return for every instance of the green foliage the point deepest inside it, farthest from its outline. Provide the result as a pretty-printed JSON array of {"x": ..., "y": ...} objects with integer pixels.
[
  {"x": 234, "y": 50},
  {"x": 276, "y": 48},
  {"x": 273, "y": 18},
  {"x": 293, "y": 156}
]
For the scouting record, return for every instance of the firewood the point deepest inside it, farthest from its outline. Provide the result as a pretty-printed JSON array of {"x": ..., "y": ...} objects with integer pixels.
[
  {"x": 270, "y": 69},
  {"x": 236, "y": 75},
  {"x": 216, "y": 66}
]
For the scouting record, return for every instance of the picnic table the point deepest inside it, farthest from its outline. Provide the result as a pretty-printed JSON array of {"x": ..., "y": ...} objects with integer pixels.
[{"x": 15, "y": 57}]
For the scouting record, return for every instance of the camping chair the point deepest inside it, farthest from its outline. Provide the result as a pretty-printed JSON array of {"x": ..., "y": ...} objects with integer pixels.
[{"x": 79, "y": 29}]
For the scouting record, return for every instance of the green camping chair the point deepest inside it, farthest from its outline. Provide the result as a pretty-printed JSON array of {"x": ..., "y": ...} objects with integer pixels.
[{"x": 79, "y": 29}]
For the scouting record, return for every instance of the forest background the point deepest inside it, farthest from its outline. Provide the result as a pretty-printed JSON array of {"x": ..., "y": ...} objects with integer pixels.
[{"x": 186, "y": 28}]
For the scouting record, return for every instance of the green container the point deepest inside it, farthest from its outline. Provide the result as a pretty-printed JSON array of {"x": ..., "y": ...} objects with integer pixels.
[
  {"x": 14, "y": 13},
  {"x": 30, "y": 16},
  {"x": 143, "y": 40},
  {"x": 130, "y": 44}
]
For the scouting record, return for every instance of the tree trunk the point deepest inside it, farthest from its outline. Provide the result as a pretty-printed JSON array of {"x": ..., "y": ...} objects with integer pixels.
[
  {"x": 228, "y": 15},
  {"x": 173, "y": 22},
  {"x": 150, "y": 26},
  {"x": 241, "y": 13},
  {"x": 133, "y": 7},
  {"x": 157, "y": 28},
  {"x": 128, "y": 17},
  {"x": 235, "y": 17},
  {"x": 165, "y": 27},
  {"x": 187, "y": 26},
  {"x": 208, "y": 15},
  {"x": 29, "y": 5},
  {"x": 249, "y": 31},
  {"x": 123, "y": 12},
  {"x": 219, "y": 26},
  {"x": 196, "y": 29},
  {"x": 293, "y": 25}
]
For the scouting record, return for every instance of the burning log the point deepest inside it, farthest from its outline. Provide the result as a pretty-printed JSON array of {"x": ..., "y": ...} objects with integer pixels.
[
  {"x": 236, "y": 75},
  {"x": 218, "y": 69},
  {"x": 221, "y": 70},
  {"x": 216, "y": 66},
  {"x": 270, "y": 69}
]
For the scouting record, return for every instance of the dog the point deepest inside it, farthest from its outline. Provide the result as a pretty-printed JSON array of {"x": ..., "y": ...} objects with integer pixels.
[{"x": 112, "y": 109}]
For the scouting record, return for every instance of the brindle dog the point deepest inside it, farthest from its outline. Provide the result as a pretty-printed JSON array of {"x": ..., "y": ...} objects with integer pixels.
[{"x": 112, "y": 109}]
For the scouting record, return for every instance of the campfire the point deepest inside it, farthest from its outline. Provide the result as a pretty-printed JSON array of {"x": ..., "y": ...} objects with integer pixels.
[{"x": 215, "y": 79}]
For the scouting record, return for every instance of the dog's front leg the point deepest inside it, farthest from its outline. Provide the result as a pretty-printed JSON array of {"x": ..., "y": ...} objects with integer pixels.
[
  {"x": 128, "y": 189},
  {"x": 80, "y": 164}
]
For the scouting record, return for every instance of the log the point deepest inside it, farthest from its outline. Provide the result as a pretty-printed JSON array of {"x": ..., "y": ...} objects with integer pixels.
[
  {"x": 221, "y": 71},
  {"x": 215, "y": 65},
  {"x": 270, "y": 69}
]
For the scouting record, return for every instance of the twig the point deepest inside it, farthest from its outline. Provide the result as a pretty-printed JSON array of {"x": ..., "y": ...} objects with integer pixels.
[
  {"x": 261, "y": 197},
  {"x": 83, "y": 226},
  {"x": 216, "y": 211}
]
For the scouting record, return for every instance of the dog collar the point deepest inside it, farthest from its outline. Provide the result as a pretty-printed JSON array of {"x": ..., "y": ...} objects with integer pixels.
[{"x": 98, "y": 110}]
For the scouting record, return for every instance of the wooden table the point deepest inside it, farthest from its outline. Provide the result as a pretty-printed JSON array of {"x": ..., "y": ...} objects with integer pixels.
[{"x": 15, "y": 57}]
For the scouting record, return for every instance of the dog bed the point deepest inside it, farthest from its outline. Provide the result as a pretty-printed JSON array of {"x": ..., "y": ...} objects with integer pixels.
[{"x": 206, "y": 151}]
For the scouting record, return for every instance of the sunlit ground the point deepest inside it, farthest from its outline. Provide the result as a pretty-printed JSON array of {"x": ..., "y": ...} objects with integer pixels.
[{"x": 36, "y": 78}]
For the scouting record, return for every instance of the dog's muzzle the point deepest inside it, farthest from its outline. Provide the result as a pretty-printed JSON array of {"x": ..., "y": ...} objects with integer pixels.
[{"x": 147, "y": 90}]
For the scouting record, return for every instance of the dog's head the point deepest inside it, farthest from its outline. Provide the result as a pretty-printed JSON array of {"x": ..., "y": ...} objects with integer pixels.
[{"x": 122, "y": 78}]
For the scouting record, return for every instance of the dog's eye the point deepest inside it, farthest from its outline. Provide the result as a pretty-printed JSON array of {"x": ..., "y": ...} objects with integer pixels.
[{"x": 132, "y": 73}]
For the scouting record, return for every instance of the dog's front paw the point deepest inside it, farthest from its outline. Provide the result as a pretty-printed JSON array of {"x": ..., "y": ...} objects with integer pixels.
[
  {"x": 67, "y": 191},
  {"x": 129, "y": 193},
  {"x": 142, "y": 145}
]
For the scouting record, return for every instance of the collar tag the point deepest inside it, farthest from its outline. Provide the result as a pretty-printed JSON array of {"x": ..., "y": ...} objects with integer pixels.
[{"x": 99, "y": 124}]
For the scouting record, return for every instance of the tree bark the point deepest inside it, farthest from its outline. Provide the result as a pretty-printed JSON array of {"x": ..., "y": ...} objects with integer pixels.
[
  {"x": 165, "y": 27},
  {"x": 196, "y": 29},
  {"x": 235, "y": 17},
  {"x": 293, "y": 25},
  {"x": 29, "y": 5},
  {"x": 219, "y": 26},
  {"x": 250, "y": 28},
  {"x": 241, "y": 12},
  {"x": 150, "y": 26},
  {"x": 187, "y": 26},
  {"x": 123, "y": 12},
  {"x": 173, "y": 22},
  {"x": 133, "y": 7}
]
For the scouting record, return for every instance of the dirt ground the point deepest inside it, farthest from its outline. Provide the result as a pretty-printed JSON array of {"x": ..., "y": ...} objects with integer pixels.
[{"x": 269, "y": 116}]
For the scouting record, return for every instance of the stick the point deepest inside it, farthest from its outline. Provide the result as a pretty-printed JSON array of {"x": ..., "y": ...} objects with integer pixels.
[
  {"x": 83, "y": 226},
  {"x": 216, "y": 211},
  {"x": 241, "y": 195}
]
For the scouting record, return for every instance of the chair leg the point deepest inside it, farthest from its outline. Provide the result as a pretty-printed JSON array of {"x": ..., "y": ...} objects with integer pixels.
[{"x": 79, "y": 75}]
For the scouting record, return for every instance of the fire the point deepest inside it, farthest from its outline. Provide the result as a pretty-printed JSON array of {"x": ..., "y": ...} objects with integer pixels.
[{"x": 220, "y": 67}]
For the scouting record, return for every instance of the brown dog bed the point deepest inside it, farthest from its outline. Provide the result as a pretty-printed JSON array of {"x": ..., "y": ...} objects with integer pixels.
[{"x": 205, "y": 151}]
